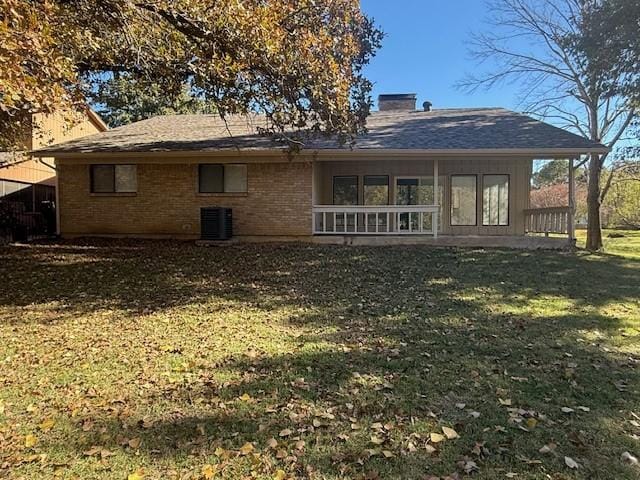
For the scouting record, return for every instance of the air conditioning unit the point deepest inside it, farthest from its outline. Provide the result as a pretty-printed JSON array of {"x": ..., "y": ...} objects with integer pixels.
[{"x": 216, "y": 223}]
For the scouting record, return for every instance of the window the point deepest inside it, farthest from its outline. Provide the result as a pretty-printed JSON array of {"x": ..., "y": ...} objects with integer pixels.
[
  {"x": 495, "y": 200},
  {"x": 216, "y": 178},
  {"x": 376, "y": 190},
  {"x": 345, "y": 190},
  {"x": 114, "y": 179},
  {"x": 463, "y": 200}
]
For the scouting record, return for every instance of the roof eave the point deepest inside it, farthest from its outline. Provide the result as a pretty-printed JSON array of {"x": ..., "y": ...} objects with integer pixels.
[
  {"x": 539, "y": 153},
  {"x": 97, "y": 120}
]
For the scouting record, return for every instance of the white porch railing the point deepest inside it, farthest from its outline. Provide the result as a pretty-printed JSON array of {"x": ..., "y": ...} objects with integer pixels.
[
  {"x": 547, "y": 220},
  {"x": 376, "y": 220}
]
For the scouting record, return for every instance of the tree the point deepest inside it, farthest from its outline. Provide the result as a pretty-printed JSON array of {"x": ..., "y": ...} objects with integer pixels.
[
  {"x": 34, "y": 77},
  {"x": 122, "y": 99},
  {"x": 545, "y": 45},
  {"x": 624, "y": 198},
  {"x": 551, "y": 173},
  {"x": 299, "y": 62}
]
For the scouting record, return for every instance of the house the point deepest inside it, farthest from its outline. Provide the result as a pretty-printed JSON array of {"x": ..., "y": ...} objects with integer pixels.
[
  {"x": 151, "y": 178},
  {"x": 28, "y": 183}
]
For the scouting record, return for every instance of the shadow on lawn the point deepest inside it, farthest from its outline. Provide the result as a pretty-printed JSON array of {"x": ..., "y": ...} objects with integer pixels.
[
  {"x": 410, "y": 332},
  {"x": 153, "y": 276},
  {"x": 408, "y": 378}
]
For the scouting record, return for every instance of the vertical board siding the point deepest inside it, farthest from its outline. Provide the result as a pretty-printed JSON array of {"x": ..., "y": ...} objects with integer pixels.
[
  {"x": 51, "y": 129},
  {"x": 29, "y": 171},
  {"x": 518, "y": 169},
  {"x": 48, "y": 129}
]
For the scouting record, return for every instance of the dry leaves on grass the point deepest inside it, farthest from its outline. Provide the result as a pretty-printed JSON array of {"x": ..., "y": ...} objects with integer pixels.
[{"x": 260, "y": 358}]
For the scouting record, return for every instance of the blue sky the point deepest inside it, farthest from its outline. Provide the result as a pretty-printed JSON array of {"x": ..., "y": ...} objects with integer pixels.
[{"x": 424, "y": 51}]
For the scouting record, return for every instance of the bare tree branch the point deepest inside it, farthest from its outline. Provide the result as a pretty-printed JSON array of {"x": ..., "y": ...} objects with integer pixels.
[{"x": 531, "y": 41}]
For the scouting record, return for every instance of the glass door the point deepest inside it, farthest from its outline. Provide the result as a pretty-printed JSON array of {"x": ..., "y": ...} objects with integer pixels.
[
  {"x": 416, "y": 191},
  {"x": 407, "y": 193}
]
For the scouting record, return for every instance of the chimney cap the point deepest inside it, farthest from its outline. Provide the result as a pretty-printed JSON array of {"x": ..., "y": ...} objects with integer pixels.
[
  {"x": 399, "y": 102},
  {"x": 427, "y": 106},
  {"x": 397, "y": 96}
]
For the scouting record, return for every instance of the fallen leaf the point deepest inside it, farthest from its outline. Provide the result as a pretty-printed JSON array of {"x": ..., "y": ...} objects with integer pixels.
[
  {"x": 531, "y": 423},
  {"x": 137, "y": 475},
  {"x": 429, "y": 448},
  {"x": 505, "y": 401},
  {"x": 246, "y": 449},
  {"x": 627, "y": 458},
  {"x": 377, "y": 440},
  {"x": 280, "y": 475},
  {"x": 571, "y": 463},
  {"x": 436, "y": 437},
  {"x": 450, "y": 433},
  {"x": 387, "y": 453},
  {"x": 104, "y": 453},
  {"x": 208, "y": 471},
  {"x": 547, "y": 448},
  {"x": 92, "y": 451},
  {"x": 245, "y": 397},
  {"x": 285, "y": 433},
  {"x": 134, "y": 443},
  {"x": 272, "y": 443},
  {"x": 30, "y": 441},
  {"x": 468, "y": 466},
  {"x": 567, "y": 410},
  {"x": 47, "y": 424}
]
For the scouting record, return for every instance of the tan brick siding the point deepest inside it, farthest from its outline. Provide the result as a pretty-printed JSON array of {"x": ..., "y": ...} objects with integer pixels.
[{"x": 278, "y": 202}]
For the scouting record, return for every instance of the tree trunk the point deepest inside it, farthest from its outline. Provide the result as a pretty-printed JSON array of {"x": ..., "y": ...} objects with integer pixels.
[{"x": 594, "y": 232}]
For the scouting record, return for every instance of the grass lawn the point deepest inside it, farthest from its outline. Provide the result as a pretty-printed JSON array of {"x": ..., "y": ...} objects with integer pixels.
[
  {"x": 165, "y": 360},
  {"x": 628, "y": 245}
]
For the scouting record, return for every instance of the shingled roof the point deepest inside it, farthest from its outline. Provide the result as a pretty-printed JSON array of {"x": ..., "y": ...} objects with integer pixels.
[{"x": 437, "y": 130}]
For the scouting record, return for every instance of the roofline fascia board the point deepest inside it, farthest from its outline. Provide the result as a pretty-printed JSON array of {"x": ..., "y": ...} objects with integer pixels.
[
  {"x": 330, "y": 154},
  {"x": 97, "y": 121}
]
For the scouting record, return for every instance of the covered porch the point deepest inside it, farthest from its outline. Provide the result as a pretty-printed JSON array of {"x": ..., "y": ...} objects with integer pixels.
[{"x": 422, "y": 199}]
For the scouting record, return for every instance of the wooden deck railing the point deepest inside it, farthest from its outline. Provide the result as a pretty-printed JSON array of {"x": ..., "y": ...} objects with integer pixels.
[
  {"x": 547, "y": 220},
  {"x": 376, "y": 220}
]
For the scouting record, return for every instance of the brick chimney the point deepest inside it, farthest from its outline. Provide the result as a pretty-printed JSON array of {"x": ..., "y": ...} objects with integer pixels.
[{"x": 404, "y": 102}]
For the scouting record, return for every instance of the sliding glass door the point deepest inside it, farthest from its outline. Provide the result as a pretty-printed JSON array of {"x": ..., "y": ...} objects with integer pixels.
[{"x": 417, "y": 191}]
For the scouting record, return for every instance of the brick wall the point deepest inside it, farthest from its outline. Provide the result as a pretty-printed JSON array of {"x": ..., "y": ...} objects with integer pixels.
[{"x": 278, "y": 202}]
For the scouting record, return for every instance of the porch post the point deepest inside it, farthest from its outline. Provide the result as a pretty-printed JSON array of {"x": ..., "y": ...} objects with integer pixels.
[
  {"x": 572, "y": 204},
  {"x": 434, "y": 217}
]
